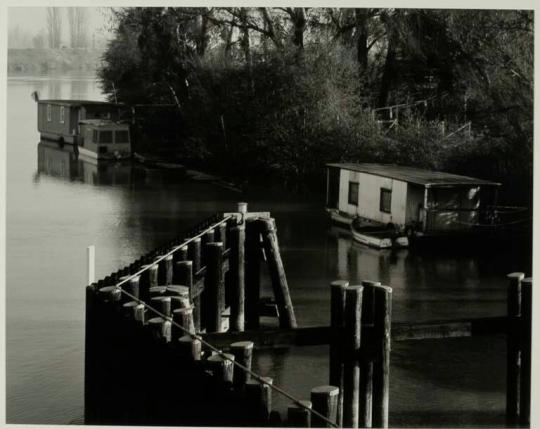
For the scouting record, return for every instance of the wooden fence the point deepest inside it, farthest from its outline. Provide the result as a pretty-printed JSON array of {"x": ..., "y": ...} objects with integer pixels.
[{"x": 170, "y": 338}]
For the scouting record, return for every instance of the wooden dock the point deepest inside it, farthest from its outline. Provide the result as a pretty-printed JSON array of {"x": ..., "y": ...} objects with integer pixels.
[{"x": 170, "y": 338}]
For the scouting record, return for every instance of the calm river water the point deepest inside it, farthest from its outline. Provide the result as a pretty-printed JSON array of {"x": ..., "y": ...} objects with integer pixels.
[{"x": 55, "y": 208}]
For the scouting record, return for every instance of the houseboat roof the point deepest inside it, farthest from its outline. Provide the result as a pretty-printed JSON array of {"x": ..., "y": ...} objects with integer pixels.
[
  {"x": 102, "y": 122},
  {"x": 80, "y": 103},
  {"x": 414, "y": 175}
]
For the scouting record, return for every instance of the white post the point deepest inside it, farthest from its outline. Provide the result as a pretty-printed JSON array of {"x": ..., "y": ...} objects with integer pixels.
[{"x": 91, "y": 263}]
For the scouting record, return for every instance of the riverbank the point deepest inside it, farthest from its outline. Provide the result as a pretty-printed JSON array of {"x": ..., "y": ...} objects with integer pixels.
[{"x": 38, "y": 61}]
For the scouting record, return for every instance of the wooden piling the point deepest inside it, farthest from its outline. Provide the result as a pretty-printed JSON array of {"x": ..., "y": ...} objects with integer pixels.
[
  {"x": 207, "y": 238},
  {"x": 366, "y": 361},
  {"x": 162, "y": 304},
  {"x": 168, "y": 268},
  {"x": 324, "y": 400},
  {"x": 259, "y": 396},
  {"x": 337, "y": 322},
  {"x": 160, "y": 329},
  {"x": 194, "y": 254},
  {"x": 153, "y": 275},
  {"x": 189, "y": 348},
  {"x": 184, "y": 318},
  {"x": 351, "y": 346},
  {"x": 381, "y": 366},
  {"x": 221, "y": 235},
  {"x": 526, "y": 338},
  {"x": 513, "y": 352},
  {"x": 298, "y": 416},
  {"x": 184, "y": 273},
  {"x": 243, "y": 352},
  {"x": 252, "y": 273},
  {"x": 237, "y": 279},
  {"x": 222, "y": 368},
  {"x": 214, "y": 287},
  {"x": 287, "y": 318}
]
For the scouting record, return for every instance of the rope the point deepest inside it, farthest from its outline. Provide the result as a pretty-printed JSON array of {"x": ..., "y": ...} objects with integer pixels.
[
  {"x": 224, "y": 356},
  {"x": 175, "y": 249}
]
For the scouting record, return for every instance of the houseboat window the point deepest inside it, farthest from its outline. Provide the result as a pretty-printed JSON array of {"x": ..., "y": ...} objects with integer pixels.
[
  {"x": 386, "y": 200},
  {"x": 49, "y": 112},
  {"x": 105, "y": 137},
  {"x": 121, "y": 137},
  {"x": 353, "y": 193}
]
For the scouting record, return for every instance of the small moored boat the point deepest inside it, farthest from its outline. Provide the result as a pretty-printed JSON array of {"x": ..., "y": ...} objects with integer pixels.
[{"x": 377, "y": 235}]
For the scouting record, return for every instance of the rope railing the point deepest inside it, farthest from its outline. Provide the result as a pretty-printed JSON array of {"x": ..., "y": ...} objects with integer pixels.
[
  {"x": 173, "y": 250},
  {"x": 256, "y": 376}
]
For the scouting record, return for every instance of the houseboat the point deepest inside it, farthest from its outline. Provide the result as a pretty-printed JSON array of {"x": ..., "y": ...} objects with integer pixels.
[
  {"x": 391, "y": 204},
  {"x": 96, "y": 128}
]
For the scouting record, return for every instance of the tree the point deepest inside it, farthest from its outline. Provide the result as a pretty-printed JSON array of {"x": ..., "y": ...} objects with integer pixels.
[
  {"x": 78, "y": 27},
  {"x": 54, "y": 27}
]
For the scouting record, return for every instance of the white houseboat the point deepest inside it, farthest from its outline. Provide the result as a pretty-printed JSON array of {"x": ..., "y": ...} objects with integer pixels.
[
  {"x": 389, "y": 203},
  {"x": 94, "y": 127}
]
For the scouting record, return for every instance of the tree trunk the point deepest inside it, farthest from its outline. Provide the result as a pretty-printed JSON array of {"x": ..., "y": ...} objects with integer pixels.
[
  {"x": 298, "y": 16},
  {"x": 389, "y": 69}
]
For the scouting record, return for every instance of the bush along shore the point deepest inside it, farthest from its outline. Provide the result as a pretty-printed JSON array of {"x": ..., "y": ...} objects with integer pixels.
[
  {"x": 273, "y": 94},
  {"x": 39, "y": 61}
]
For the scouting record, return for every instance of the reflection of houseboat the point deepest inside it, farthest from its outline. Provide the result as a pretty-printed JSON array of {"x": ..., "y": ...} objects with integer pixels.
[
  {"x": 94, "y": 127},
  {"x": 406, "y": 201},
  {"x": 64, "y": 163}
]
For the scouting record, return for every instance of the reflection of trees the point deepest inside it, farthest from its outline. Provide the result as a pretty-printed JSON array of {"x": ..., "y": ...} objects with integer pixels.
[
  {"x": 79, "y": 88},
  {"x": 54, "y": 88}
]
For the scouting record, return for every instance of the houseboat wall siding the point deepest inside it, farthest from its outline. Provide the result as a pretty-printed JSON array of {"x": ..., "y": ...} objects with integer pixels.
[
  {"x": 54, "y": 126},
  {"x": 369, "y": 197},
  {"x": 415, "y": 203}
]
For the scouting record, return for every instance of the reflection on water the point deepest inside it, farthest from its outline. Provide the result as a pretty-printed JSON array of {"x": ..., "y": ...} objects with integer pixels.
[
  {"x": 57, "y": 204},
  {"x": 63, "y": 162}
]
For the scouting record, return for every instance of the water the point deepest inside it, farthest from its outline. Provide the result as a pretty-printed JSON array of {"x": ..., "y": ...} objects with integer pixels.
[{"x": 56, "y": 209}]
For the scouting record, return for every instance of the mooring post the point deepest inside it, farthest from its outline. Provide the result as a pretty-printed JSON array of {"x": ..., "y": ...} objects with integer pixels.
[
  {"x": 153, "y": 275},
  {"x": 259, "y": 398},
  {"x": 144, "y": 283},
  {"x": 189, "y": 348},
  {"x": 287, "y": 318},
  {"x": 184, "y": 318},
  {"x": 252, "y": 273},
  {"x": 221, "y": 235},
  {"x": 91, "y": 264},
  {"x": 194, "y": 254},
  {"x": 222, "y": 368},
  {"x": 324, "y": 400},
  {"x": 161, "y": 304},
  {"x": 513, "y": 353},
  {"x": 337, "y": 321},
  {"x": 237, "y": 270},
  {"x": 366, "y": 360},
  {"x": 207, "y": 238},
  {"x": 215, "y": 287},
  {"x": 351, "y": 346},
  {"x": 184, "y": 276},
  {"x": 381, "y": 366},
  {"x": 526, "y": 338},
  {"x": 91, "y": 356},
  {"x": 168, "y": 268},
  {"x": 243, "y": 352},
  {"x": 298, "y": 416}
]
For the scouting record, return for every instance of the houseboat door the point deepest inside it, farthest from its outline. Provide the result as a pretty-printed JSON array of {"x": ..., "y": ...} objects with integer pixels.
[{"x": 332, "y": 194}]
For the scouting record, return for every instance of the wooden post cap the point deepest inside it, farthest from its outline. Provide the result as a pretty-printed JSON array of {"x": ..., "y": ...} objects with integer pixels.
[
  {"x": 325, "y": 391},
  {"x": 110, "y": 293},
  {"x": 127, "y": 308},
  {"x": 339, "y": 283},
  {"x": 241, "y": 345},
  {"x": 183, "y": 263},
  {"x": 370, "y": 283},
  {"x": 157, "y": 290},
  {"x": 516, "y": 276},
  {"x": 177, "y": 290},
  {"x": 527, "y": 281},
  {"x": 242, "y": 207},
  {"x": 215, "y": 244}
]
